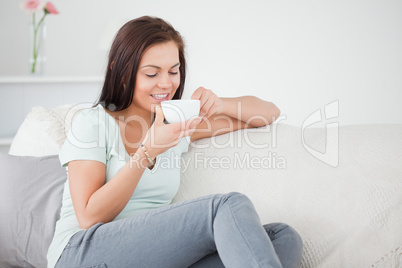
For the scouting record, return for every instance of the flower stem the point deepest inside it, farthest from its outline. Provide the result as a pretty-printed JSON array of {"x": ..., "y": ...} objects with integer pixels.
[{"x": 36, "y": 46}]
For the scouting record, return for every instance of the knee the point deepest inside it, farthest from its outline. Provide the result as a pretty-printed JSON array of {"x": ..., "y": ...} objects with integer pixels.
[
  {"x": 236, "y": 195},
  {"x": 276, "y": 230},
  {"x": 287, "y": 243},
  {"x": 233, "y": 198},
  {"x": 238, "y": 198},
  {"x": 296, "y": 238}
]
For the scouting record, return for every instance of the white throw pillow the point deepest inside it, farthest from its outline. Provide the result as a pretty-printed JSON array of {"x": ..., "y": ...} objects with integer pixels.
[{"x": 43, "y": 131}]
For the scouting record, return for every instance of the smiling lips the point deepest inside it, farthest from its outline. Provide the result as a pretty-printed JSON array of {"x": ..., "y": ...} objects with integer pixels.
[{"x": 160, "y": 97}]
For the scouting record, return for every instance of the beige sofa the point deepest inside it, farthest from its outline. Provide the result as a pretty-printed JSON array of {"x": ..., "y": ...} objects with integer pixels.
[{"x": 348, "y": 210}]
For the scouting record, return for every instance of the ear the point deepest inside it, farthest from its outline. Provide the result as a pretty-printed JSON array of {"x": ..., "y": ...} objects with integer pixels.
[{"x": 111, "y": 65}]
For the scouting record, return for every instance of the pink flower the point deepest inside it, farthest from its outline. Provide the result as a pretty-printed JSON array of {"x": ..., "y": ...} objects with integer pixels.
[
  {"x": 32, "y": 6},
  {"x": 49, "y": 8}
]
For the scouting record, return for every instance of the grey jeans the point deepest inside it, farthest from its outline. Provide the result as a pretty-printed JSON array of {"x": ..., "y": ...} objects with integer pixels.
[{"x": 221, "y": 230}]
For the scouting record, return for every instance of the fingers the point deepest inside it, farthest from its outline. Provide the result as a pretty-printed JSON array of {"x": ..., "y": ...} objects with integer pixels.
[
  {"x": 203, "y": 95},
  {"x": 164, "y": 136},
  {"x": 159, "y": 116},
  {"x": 194, "y": 122},
  {"x": 208, "y": 100},
  {"x": 197, "y": 93},
  {"x": 192, "y": 125},
  {"x": 188, "y": 132},
  {"x": 206, "y": 110},
  {"x": 186, "y": 125},
  {"x": 185, "y": 133}
]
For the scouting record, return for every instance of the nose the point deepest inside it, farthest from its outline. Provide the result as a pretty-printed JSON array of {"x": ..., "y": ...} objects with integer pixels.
[{"x": 165, "y": 81}]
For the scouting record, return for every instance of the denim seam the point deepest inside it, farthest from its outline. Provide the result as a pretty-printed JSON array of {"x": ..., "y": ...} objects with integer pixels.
[
  {"x": 89, "y": 266},
  {"x": 91, "y": 239},
  {"x": 180, "y": 205},
  {"x": 234, "y": 218}
]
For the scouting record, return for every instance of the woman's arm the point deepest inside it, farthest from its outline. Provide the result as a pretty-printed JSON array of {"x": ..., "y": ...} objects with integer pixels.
[
  {"x": 96, "y": 201},
  {"x": 93, "y": 200},
  {"x": 251, "y": 110},
  {"x": 223, "y": 115}
]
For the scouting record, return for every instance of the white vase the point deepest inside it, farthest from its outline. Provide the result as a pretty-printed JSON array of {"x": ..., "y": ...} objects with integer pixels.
[{"x": 37, "y": 49}]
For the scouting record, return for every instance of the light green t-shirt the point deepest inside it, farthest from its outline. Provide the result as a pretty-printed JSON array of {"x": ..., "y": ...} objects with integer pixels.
[{"x": 95, "y": 135}]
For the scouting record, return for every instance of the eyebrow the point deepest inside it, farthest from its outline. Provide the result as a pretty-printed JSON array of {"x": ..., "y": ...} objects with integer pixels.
[{"x": 157, "y": 67}]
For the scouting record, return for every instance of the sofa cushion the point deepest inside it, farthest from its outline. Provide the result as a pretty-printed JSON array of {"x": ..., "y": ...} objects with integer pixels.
[
  {"x": 348, "y": 216},
  {"x": 30, "y": 199},
  {"x": 44, "y": 130}
]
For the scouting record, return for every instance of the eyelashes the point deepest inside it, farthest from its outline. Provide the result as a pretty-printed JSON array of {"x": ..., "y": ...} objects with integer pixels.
[{"x": 153, "y": 75}]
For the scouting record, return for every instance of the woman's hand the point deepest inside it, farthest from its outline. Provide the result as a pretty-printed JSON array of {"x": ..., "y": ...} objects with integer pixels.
[
  {"x": 210, "y": 102},
  {"x": 160, "y": 137}
]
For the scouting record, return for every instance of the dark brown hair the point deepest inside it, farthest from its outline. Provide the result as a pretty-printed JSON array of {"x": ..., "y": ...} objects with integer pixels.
[{"x": 130, "y": 43}]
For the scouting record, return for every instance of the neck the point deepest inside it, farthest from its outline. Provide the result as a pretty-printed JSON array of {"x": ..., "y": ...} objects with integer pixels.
[{"x": 135, "y": 115}]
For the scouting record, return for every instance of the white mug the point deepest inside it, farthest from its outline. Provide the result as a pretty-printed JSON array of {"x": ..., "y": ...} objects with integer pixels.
[{"x": 180, "y": 110}]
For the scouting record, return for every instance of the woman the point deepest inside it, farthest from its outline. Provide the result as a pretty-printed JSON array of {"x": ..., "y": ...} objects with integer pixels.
[{"x": 116, "y": 208}]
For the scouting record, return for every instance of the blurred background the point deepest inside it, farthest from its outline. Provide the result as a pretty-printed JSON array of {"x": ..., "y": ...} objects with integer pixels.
[{"x": 301, "y": 55}]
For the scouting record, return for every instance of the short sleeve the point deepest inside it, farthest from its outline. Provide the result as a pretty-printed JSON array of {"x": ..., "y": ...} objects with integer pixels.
[{"x": 86, "y": 138}]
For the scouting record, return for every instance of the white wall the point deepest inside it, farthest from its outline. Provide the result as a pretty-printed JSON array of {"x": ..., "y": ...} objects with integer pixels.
[{"x": 302, "y": 55}]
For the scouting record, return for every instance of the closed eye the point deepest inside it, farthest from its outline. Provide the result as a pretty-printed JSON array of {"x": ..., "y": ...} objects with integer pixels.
[{"x": 153, "y": 75}]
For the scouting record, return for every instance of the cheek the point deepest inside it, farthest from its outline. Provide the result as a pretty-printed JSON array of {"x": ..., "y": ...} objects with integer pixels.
[
  {"x": 144, "y": 86},
  {"x": 176, "y": 81}
]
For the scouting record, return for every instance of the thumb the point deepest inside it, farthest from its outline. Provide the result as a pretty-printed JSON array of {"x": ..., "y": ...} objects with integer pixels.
[{"x": 159, "y": 116}]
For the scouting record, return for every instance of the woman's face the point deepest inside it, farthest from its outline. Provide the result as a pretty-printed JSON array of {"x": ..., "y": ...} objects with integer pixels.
[{"x": 158, "y": 75}]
